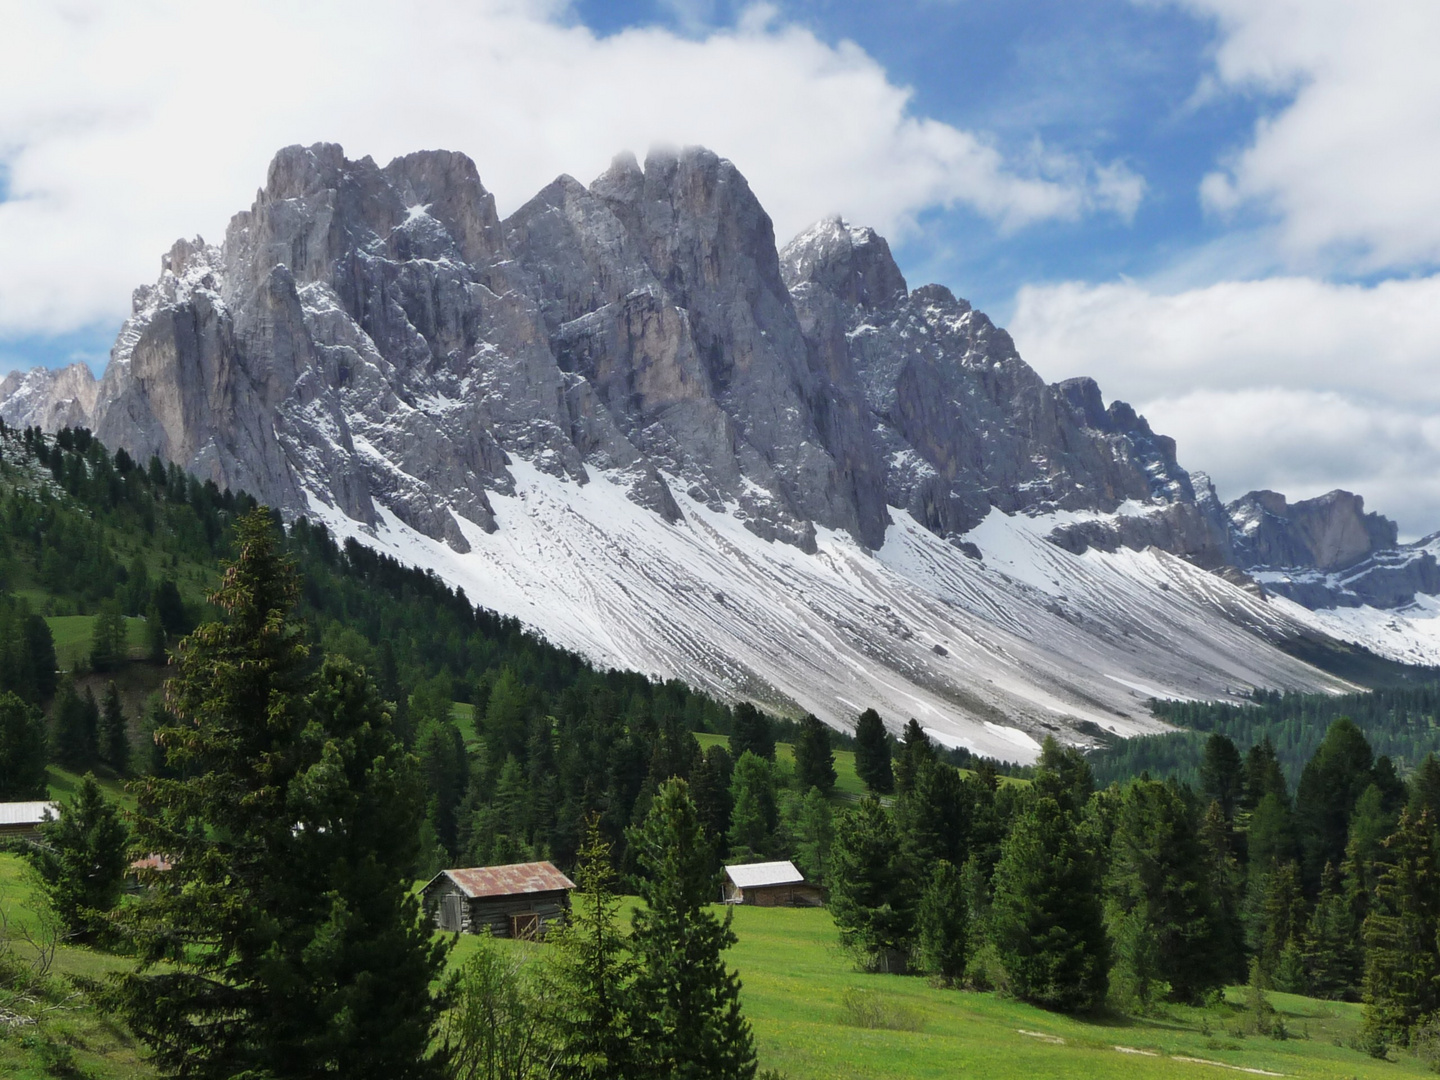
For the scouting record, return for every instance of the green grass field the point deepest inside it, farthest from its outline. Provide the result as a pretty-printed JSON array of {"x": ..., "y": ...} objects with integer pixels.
[
  {"x": 72, "y": 637},
  {"x": 848, "y": 786},
  {"x": 796, "y": 981}
]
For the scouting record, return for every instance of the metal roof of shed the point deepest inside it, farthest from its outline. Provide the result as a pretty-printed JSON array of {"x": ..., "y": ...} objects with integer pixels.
[
  {"x": 757, "y": 875},
  {"x": 27, "y": 813},
  {"x": 512, "y": 880}
]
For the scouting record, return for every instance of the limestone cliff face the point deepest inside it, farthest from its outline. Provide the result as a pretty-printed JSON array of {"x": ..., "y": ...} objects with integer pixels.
[{"x": 378, "y": 340}]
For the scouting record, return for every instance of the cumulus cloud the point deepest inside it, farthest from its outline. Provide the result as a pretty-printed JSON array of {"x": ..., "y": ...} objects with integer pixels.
[
  {"x": 1289, "y": 383},
  {"x": 124, "y": 125},
  {"x": 1347, "y": 164}
]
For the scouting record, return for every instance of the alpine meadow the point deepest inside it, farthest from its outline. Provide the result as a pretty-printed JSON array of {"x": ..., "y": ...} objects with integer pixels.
[{"x": 846, "y": 542}]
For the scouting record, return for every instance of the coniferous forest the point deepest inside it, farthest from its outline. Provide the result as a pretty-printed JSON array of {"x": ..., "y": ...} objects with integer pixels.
[{"x": 335, "y": 726}]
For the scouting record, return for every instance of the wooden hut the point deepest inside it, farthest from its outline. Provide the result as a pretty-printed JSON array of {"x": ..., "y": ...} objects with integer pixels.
[
  {"x": 768, "y": 884},
  {"x": 520, "y": 901},
  {"x": 21, "y": 820}
]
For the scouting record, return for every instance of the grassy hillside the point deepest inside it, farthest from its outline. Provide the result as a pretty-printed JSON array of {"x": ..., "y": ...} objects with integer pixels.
[{"x": 803, "y": 998}]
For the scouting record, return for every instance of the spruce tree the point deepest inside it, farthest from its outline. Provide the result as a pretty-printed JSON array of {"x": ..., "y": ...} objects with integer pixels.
[
  {"x": 1160, "y": 882},
  {"x": 1332, "y": 954},
  {"x": 113, "y": 735},
  {"x": 1402, "y": 959},
  {"x": 755, "y": 810},
  {"x": 872, "y": 753},
  {"x": 1222, "y": 774},
  {"x": 1046, "y": 919},
  {"x": 1333, "y": 780},
  {"x": 73, "y": 735},
  {"x": 814, "y": 759},
  {"x": 444, "y": 768},
  {"x": 1425, "y": 788},
  {"x": 1063, "y": 774},
  {"x": 935, "y": 814},
  {"x": 81, "y": 861},
  {"x": 22, "y": 750},
  {"x": 809, "y": 827},
  {"x": 1263, "y": 775},
  {"x": 710, "y": 779},
  {"x": 688, "y": 1013},
  {"x": 752, "y": 731},
  {"x": 915, "y": 748},
  {"x": 872, "y": 891},
  {"x": 109, "y": 645},
  {"x": 1227, "y": 883},
  {"x": 942, "y": 925},
  {"x": 593, "y": 975},
  {"x": 284, "y": 940}
]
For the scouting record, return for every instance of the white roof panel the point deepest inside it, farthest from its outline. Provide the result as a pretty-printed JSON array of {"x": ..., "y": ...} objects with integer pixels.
[
  {"x": 755, "y": 875},
  {"x": 26, "y": 813}
]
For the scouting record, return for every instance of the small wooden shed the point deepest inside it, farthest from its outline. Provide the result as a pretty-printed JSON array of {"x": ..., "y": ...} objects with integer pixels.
[
  {"x": 522, "y": 900},
  {"x": 21, "y": 820},
  {"x": 768, "y": 884}
]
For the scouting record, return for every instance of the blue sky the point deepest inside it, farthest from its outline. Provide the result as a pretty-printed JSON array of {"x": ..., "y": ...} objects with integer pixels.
[{"x": 1224, "y": 210}]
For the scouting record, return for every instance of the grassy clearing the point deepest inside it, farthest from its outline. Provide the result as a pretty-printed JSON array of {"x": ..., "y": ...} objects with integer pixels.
[
  {"x": 848, "y": 786},
  {"x": 804, "y": 998},
  {"x": 816, "y": 1018},
  {"x": 63, "y": 785},
  {"x": 72, "y": 637},
  {"x": 69, "y": 1038}
]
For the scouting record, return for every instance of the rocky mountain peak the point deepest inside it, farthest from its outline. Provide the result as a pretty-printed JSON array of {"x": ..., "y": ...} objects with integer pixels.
[
  {"x": 1330, "y": 532},
  {"x": 853, "y": 264}
]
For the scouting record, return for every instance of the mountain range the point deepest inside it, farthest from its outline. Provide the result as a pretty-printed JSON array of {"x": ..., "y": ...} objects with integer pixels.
[{"x": 626, "y": 416}]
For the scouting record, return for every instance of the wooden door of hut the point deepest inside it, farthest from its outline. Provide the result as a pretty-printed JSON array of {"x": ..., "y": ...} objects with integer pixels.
[{"x": 450, "y": 907}]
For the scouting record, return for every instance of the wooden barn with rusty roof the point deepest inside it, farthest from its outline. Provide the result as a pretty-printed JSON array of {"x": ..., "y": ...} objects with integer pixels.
[{"x": 521, "y": 901}]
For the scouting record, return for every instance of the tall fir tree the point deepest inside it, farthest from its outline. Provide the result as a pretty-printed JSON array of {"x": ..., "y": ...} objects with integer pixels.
[
  {"x": 935, "y": 814},
  {"x": 915, "y": 749},
  {"x": 1402, "y": 958},
  {"x": 113, "y": 734},
  {"x": 284, "y": 940},
  {"x": 1159, "y": 880},
  {"x": 75, "y": 718},
  {"x": 593, "y": 975},
  {"x": 1222, "y": 774},
  {"x": 1227, "y": 883},
  {"x": 81, "y": 861},
  {"x": 1046, "y": 919},
  {"x": 710, "y": 779},
  {"x": 1332, "y": 953},
  {"x": 872, "y": 753},
  {"x": 1425, "y": 788},
  {"x": 23, "y": 753},
  {"x": 814, "y": 757},
  {"x": 688, "y": 1012},
  {"x": 752, "y": 731},
  {"x": 872, "y": 893},
  {"x": 1263, "y": 775},
  {"x": 755, "y": 811},
  {"x": 109, "y": 646},
  {"x": 942, "y": 925},
  {"x": 1063, "y": 774},
  {"x": 1333, "y": 780}
]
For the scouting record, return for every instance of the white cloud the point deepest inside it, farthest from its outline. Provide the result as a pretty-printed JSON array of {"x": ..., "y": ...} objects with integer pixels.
[
  {"x": 1288, "y": 383},
  {"x": 125, "y": 125},
  {"x": 1348, "y": 165}
]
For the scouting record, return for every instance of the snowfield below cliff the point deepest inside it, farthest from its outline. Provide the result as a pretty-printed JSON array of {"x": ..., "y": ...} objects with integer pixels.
[{"x": 990, "y": 653}]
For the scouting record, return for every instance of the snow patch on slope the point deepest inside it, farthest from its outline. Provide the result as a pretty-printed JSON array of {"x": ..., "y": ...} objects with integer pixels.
[{"x": 991, "y": 654}]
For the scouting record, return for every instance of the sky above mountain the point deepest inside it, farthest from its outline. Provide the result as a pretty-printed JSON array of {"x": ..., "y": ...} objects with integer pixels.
[{"x": 1224, "y": 210}]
